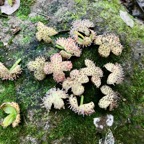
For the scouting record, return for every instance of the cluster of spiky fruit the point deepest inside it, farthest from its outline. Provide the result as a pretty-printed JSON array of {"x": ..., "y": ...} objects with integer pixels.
[{"x": 81, "y": 34}]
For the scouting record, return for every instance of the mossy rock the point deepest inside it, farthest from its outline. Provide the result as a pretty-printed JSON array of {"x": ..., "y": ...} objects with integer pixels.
[{"x": 37, "y": 126}]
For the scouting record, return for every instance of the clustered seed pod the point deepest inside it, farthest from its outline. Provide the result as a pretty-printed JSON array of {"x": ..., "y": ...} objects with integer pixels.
[
  {"x": 12, "y": 73},
  {"x": 57, "y": 66},
  {"x": 69, "y": 47},
  {"x": 75, "y": 81},
  {"x": 45, "y": 33},
  {"x": 108, "y": 43},
  {"x": 110, "y": 99},
  {"x": 92, "y": 70},
  {"x": 11, "y": 108},
  {"x": 54, "y": 97},
  {"x": 82, "y": 33},
  {"x": 83, "y": 109},
  {"x": 37, "y": 67},
  {"x": 117, "y": 74}
]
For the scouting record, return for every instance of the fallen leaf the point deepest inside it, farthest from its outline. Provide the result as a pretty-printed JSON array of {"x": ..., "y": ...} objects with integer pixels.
[
  {"x": 7, "y": 9},
  {"x": 125, "y": 17},
  {"x": 108, "y": 139}
]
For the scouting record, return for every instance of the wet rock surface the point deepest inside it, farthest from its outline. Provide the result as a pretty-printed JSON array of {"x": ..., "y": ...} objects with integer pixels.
[{"x": 59, "y": 14}]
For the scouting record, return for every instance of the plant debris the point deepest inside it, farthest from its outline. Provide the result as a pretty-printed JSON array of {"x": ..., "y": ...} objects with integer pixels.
[
  {"x": 92, "y": 70},
  {"x": 82, "y": 109},
  {"x": 11, "y": 108},
  {"x": 11, "y": 74},
  {"x": 108, "y": 43},
  {"x": 117, "y": 73},
  {"x": 38, "y": 67},
  {"x": 82, "y": 33},
  {"x": 69, "y": 47},
  {"x": 56, "y": 67},
  {"x": 104, "y": 121},
  {"x": 75, "y": 82},
  {"x": 126, "y": 18},
  {"x": 45, "y": 33},
  {"x": 10, "y": 7},
  {"x": 110, "y": 99},
  {"x": 135, "y": 8},
  {"x": 54, "y": 97}
]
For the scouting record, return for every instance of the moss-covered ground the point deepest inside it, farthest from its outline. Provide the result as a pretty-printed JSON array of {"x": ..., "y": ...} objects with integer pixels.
[{"x": 128, "y": 127}]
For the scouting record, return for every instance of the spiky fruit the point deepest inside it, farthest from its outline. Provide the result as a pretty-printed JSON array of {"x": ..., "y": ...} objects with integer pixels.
[
  {"x": 117, "y": 74},
  {"x": 69, "y": 47},
  {"x": 11, "y": 108},
  {"x": 57, "y": 66},
  {"x": 82, "y": 33},
  {"x": 37, "y": 67},
  {"x": 109, "y": 100},
  {"x": 44, "y": 33},
  {"x": 11, "y": 74},
  {"x": 75, "y": 82},
  {"x": 92, "y": 70},
  {"x": 54, "y": 97},
  {"x": 108, "y": 43},
  {"x": 84, "y": 109},
  {"x": 65, "y": 54}
]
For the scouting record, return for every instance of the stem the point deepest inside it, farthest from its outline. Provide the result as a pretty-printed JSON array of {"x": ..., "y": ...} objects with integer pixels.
[
  {"x": 79, "y": 34},
  {"x": 82, "y": 100},
  {"x": 60, "y": 47},
  {"x": 15, "y": 64}
]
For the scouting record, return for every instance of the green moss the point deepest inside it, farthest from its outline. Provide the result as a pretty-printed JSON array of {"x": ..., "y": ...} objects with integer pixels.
[
  {"x": 1, "y": 44},
  {"x": 9, "y": 135},
  {"x": 26, "y": 39},
  {"x": 8, "y": 93},
  {"x": 111, "y": 14},
  {"x": 128, "y": 126},
  {"x": 24, "y": 9},
  {"x": 79, "y": 128},
  {"x": 38, "y": 18}
]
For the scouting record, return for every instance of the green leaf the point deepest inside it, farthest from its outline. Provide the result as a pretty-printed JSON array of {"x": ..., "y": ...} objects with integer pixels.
[
  {"x": 8, "y": 120},
  {"x": 9, "y": 110},
  {"x": 10, "y": 2}
]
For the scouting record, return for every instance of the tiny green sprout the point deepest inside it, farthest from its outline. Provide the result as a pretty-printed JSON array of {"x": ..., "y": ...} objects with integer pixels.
[
  {"x": 12, "y": 109},
  {"x": 10, "y": 2}
]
